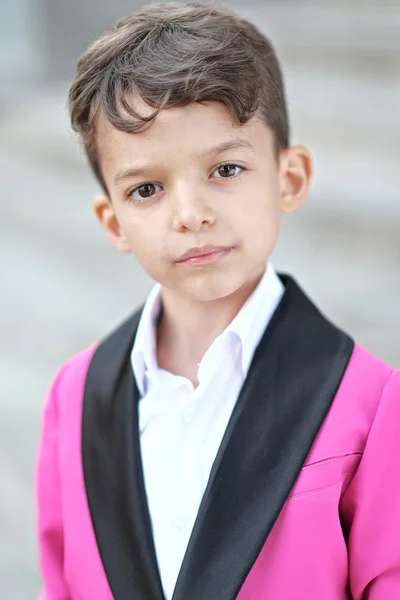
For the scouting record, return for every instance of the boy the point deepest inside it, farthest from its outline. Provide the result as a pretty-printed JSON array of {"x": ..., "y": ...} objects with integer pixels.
[{"x": 227, "y": 441}]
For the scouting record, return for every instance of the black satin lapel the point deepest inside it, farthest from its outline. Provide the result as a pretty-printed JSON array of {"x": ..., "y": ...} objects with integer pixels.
[
  {"x": 292, "y": 382},
  {"x": 113, "y": 472}
]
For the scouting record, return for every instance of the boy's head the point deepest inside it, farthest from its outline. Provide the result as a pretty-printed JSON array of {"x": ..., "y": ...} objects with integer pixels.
[{"x": 182, "y": 113}]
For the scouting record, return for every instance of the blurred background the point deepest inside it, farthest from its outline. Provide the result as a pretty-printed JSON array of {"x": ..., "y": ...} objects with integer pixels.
[{"x": 64, "y": 287}]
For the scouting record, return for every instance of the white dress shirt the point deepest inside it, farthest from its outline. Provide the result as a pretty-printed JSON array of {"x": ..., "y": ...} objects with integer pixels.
[{"x": 181, "y": 427}]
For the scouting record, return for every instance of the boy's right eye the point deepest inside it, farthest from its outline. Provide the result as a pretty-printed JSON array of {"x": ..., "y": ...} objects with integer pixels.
[{"x": 143, "y": 192}]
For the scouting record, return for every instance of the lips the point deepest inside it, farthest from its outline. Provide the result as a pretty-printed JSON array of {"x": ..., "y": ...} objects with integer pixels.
[{"x": 203, "y": 252}]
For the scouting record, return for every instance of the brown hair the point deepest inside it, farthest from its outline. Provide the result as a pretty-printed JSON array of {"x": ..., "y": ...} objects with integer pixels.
[{"x": 170, "y": 55}]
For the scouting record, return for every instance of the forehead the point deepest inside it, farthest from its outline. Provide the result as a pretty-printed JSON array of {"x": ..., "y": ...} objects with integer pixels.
[{"x": 177, "y": 132}]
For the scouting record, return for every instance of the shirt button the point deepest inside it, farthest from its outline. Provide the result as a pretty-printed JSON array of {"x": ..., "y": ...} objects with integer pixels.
[
  {"x": 188, "y": 414},
  {"x": 180, "y": 524}
]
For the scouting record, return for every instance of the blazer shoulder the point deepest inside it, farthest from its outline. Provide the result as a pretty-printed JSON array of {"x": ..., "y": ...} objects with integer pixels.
[
  {"x": 367, "y": 383},
  {"x": 69, "y": 380},
  {"x": 367, "y": 368}
]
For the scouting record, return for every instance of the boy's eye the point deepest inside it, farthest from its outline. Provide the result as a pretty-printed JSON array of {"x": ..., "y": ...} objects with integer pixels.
[
  {"x": 226, "y": 171},
  {"x": 144, "y": 191},
  {"x": 147, "y": 190}
]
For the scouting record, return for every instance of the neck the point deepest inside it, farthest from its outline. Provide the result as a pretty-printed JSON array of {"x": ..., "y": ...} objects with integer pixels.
[{"x": 187, "y": 327}]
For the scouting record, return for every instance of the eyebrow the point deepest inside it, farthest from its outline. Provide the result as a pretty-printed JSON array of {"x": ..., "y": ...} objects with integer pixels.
[
  {"x": 237, "y": 144},
  {"x": 129, "y": 173}
]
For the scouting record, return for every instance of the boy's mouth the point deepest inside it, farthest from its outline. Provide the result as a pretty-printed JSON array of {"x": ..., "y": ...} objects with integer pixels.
[{"x": 203, "y": 255}]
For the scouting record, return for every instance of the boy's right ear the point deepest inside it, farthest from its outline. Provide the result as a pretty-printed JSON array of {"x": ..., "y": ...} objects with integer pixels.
[{"x": 107, "y": 218}]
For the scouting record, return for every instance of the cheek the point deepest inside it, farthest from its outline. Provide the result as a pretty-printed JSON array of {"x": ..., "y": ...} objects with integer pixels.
[
  {"x": 145, "y": 246},
  {"x": 260, "y": 223},
  {"x": 144, "y": 240},
  {"x": 261, "y": 234},
  {"x": 148, "y": 245}
]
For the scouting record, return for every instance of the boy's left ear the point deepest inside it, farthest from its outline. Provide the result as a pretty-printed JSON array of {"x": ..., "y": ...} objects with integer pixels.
[
  {"x": 107, "y": 218},
  {"x": 295, "y": 177}
]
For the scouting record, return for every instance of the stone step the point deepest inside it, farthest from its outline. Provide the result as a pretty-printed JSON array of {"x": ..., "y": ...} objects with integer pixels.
[
  {"x": 363, "y": 27},
  {"x": 350, "y": 37}
]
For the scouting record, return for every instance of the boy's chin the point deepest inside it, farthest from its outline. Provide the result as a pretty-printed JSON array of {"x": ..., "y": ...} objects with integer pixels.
[{"x": 211, "y": 289}]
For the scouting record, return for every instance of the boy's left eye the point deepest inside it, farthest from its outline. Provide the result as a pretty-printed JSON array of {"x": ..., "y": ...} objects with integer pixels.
[{"x": 228, "y": 170}]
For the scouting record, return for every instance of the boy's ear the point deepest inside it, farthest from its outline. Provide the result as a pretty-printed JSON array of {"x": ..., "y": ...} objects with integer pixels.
[
  {"x": 107, "y": 218},
  {"x": 295, "y": 177}
]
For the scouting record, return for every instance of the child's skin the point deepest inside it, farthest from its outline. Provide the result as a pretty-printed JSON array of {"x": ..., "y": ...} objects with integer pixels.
[{"x": 191, "y": 202}]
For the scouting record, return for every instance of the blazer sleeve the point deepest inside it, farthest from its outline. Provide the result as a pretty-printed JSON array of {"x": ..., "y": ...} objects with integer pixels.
[
  {"x": 48, "y": 501},
  {"x": 371, "y": 505}
]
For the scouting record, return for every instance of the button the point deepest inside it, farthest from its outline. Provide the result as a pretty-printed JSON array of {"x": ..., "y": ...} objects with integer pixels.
[
  {"x": 180, "y": 523},
  {"x": 188, "y": 414}
]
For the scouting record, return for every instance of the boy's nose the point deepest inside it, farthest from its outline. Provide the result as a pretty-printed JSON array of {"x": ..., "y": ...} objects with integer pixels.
[{"x": 190, "y": 212}]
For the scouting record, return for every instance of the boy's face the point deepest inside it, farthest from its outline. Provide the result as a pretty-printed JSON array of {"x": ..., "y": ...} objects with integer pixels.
[{"x": 196, "y": 181}]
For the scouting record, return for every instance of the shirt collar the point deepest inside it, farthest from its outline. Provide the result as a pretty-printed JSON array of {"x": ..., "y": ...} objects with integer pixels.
[
  {"x": 144, "y": 351},
  {"x": 254, "y": 316},
  {"x": 248, "y": 326}
]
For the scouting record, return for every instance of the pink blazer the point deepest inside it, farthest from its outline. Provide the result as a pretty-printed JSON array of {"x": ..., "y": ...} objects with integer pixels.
[{"x": 303, "y": 501}]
